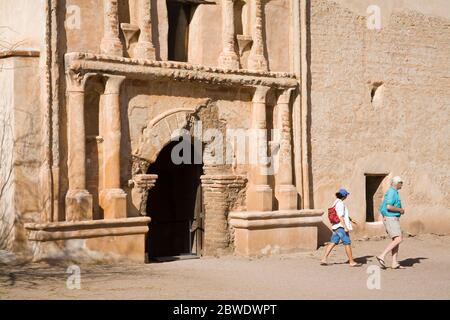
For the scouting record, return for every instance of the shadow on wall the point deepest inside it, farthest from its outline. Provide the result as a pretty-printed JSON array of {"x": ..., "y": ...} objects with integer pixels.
[
  {"x": 309, "y": 83},
  {"x": 324, "y": 234}
]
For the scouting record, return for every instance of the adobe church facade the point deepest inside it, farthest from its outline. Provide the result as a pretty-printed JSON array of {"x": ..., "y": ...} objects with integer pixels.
[{"x": 99, "y": 95}]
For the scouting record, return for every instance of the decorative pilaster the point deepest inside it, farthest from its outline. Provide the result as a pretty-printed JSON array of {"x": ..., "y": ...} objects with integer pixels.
[
  {"x": 285, "y": 191},
  {"x": 257, "y": 60},
  {"x": 145, "y": 48},
  {"x": 78, "y": 199},
  {"x": 228, "y": 58},
  {"x": 259, "y": 194},
  {"x": 111, "y": 44},
  {"x": 112, "y": 197},
  {"x": 217, "y": 192}
]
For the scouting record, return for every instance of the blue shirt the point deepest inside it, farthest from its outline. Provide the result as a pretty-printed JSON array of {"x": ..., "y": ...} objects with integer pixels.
[{"x": 392, "y": 198}]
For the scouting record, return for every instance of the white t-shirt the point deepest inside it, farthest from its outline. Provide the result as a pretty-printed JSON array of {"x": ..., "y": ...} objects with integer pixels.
[{"x": 342, "y": 211}]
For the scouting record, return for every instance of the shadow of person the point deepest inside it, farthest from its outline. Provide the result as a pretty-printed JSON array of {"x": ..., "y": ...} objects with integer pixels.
[
  {"x": 363, "y": 259},
  {"x": 411, "y": 261}
]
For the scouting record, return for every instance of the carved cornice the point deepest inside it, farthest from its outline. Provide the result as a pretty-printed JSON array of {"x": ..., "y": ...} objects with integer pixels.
[{"x": 177, "y": 71}]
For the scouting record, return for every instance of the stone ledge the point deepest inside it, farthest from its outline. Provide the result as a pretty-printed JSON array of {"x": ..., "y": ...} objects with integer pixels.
[
  {"x": 19, "y": 53},
  {"x": 260, "y": 233},
  {"x": 179, "y": 71},
  {"x": 274, "y": 219},
  {"x": 87, "y": 229}
]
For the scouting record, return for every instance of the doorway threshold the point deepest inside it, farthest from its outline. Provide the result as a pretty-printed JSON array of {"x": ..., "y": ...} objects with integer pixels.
[{"x": 175, "y": 258}]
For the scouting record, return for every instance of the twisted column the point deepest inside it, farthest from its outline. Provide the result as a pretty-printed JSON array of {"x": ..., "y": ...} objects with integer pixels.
[
  {"x": 259, "y": 194},
  {"x": 285, "y": 191},
  {"x": 228, "y": 58},
  {"x": 257, "y": 60},
  {"x": 111, "y": 44},
  {"x": 78, "y": 200},
  {"x": 145, "y": 48},
  {"x": 112, "y": 197}
]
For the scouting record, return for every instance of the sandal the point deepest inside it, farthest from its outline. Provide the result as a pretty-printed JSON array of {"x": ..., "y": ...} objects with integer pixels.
[
  {"x": 356, "y": 264},
  {"x": 381, "y": 262},
  {"x": 323, "y": 263},
  {"x": 398, "y": 266}
]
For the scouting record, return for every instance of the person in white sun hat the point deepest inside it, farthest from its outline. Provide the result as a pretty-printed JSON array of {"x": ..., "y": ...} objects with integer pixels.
[{"x": 391, "y": 210}]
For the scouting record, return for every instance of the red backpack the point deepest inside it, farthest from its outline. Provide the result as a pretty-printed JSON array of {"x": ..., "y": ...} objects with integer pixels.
[{"x": 332, "y": 215}]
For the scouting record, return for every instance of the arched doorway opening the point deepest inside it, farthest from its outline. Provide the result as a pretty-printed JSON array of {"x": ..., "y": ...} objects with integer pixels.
[{"x": 175, "y": 207}]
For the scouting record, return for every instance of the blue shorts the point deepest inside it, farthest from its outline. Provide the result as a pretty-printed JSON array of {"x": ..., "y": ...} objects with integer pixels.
[{"x": 340, "y": 235}]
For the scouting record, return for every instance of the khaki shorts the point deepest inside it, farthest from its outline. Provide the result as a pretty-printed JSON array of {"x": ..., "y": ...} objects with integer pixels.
[{"x": 392, "y": 225}]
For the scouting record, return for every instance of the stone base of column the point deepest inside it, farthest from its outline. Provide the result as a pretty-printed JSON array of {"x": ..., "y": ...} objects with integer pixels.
[
  {"x": 274, "y": 232},
  {"x": 145, "y": 50},
  {"x": 111, "y": 47},
  {"x": 78, "y": 205},
  {"x": 259, "y": 198},
  {"x": 114, "y": 203},
  {"x": 286, "y": 196},
  {"x": 228, "y": 60},
  {"x": 257, "y": 63}
]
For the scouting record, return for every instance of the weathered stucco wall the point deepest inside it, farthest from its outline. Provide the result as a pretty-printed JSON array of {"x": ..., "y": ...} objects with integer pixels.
[
  {"x": 21, "y": 24},
  {"x": 205, "y": 40},
  {"x": 28, "y": 143},
  {"x": 278, "y": 34},
  {"x": 20, "y": 129},
  {"x": 6, "y": 158},
  {"x": 83, "y": 25},
  {"x": 404, "y": 131}
]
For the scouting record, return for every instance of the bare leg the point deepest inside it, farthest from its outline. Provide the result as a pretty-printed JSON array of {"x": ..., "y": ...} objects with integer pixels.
[
  {"x": 394, "y": 255},
  {"x": 395, "y": 242},
  {"x": 327, "y": 252},
  {"x": 348, "y": 251}
]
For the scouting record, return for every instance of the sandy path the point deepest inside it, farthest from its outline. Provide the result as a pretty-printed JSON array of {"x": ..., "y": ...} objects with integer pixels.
[{"x": 294, "y": 276}]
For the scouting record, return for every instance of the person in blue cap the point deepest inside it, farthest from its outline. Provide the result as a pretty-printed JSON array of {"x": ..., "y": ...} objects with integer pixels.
[{"x": 341, "y": 229}]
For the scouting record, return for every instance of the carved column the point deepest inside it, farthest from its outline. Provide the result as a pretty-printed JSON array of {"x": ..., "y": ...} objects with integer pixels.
[
  {"x": 259, "y": 194},
  {"x": 257, "y": 59},
  {"x": 111, "y": 44},
  {"x": 228, "y": 58},
  {"x": 285, "y": 191},
  {"x": 112, "y": 197},
  {"x": 78, "y": 199},
  {"x": 217, "y": 190},
  {"x": 145, "y": 48}
]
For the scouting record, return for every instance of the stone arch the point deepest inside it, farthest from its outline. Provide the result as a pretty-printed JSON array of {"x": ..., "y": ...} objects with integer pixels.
[{"x": 158, "y": 132}]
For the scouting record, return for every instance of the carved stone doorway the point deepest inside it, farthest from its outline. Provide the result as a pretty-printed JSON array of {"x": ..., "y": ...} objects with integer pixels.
[{"x": 174, "y": 206}]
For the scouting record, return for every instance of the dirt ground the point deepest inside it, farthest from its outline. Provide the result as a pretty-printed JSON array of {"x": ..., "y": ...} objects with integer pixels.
[{"x": 289, "y": 276}]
